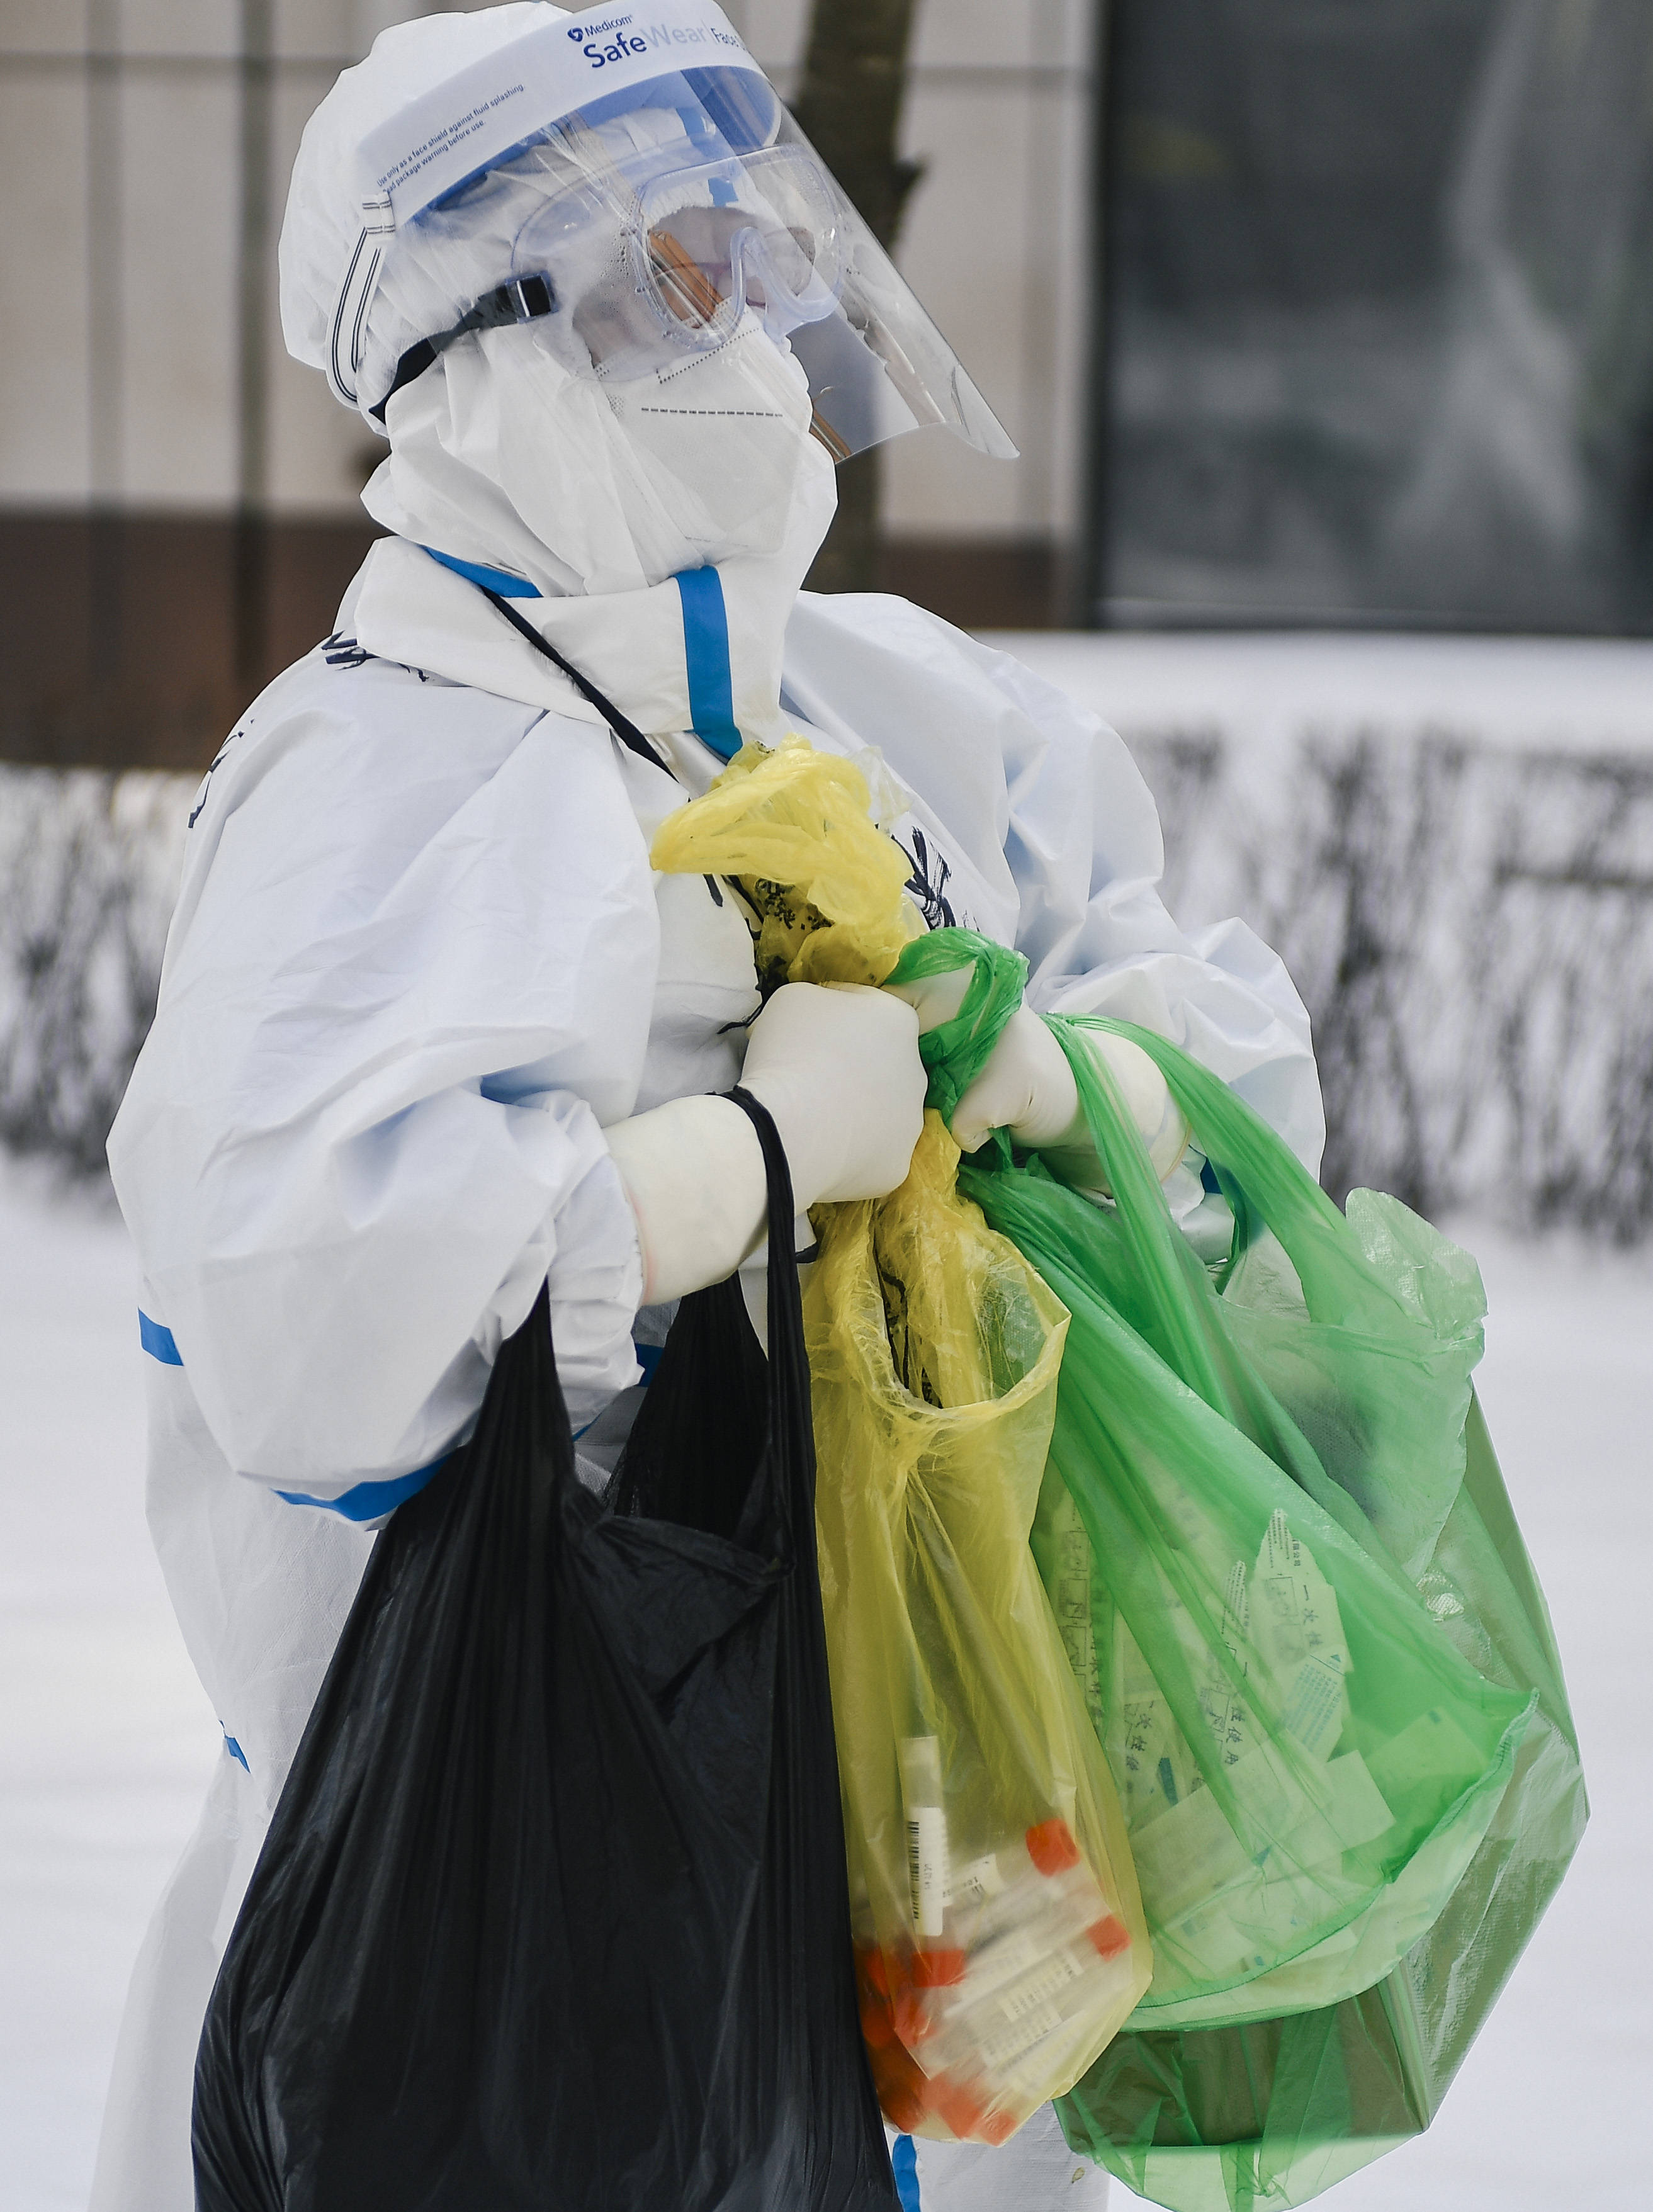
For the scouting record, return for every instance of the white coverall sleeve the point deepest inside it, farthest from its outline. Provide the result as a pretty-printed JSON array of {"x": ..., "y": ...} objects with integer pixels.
[
  {"x": 409, "y": 979},
  {"x": 1084, "y": 845},
  {"x": 1062, "y": 839}
]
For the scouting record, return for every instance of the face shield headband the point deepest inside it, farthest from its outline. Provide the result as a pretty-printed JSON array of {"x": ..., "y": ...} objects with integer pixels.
[{"x": 665, "y": 216}]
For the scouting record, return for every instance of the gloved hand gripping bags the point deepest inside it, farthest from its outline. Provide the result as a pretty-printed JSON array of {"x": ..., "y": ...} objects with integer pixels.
[{"x": 552, "y": 1912}]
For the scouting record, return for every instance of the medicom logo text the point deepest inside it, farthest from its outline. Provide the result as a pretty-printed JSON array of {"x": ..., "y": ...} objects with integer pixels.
[{"x": 631, "y": 39}]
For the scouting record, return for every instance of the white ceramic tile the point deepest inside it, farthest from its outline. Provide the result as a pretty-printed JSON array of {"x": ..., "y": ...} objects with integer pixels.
[
  {"x": 43, "y": 290},
  {"x": 179, "y": 26},
  {"x": 43, "y": 26},
  {"x": 991, "y": 245},
  {"x": 179, "y": 225}
]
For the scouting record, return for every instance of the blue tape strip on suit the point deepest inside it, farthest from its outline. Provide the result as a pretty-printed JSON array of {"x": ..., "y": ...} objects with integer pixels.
[
  {"x": 706, "y": 656},
  {"x": 492, "y": 580},
  {"x": 235, "y": 1750},
  {"x": 160, "y": 1343},
  {"x": 903, "y": 2158},
  {"x": 364, "y": 1501}
]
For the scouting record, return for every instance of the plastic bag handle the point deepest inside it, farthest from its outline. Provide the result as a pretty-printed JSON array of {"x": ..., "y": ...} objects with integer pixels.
[
  {"x": 1260, "y": 1175},
  {"x": 789, "y": 1386},
  {"x": 954, "y": 1052}
]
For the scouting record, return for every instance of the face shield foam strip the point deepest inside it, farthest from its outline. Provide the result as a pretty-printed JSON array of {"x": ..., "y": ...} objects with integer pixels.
[{"x": 706, "y": 656}]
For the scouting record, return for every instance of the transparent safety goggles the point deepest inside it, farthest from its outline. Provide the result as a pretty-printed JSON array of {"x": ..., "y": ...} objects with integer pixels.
[
  {"x": 640, "y": 236},
  {"x": 773, "y": 244}
]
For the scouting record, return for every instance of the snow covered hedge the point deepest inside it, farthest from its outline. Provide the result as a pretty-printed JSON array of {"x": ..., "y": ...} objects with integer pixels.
[
  {"x": 1472, "y": 928},
  {"x": 88, "y": 868},
  {"x": 1473, "y": 932}
]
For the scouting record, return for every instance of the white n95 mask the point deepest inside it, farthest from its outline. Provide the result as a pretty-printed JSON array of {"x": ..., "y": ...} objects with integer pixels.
[{"x": 724, "y": 437}]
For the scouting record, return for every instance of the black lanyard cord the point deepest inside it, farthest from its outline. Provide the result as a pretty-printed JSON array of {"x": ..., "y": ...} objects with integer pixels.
[{"x": 627, "y": 731}]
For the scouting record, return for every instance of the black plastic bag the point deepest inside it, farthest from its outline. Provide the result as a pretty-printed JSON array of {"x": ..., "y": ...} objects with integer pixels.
[{"x": 552, "y": 1912}]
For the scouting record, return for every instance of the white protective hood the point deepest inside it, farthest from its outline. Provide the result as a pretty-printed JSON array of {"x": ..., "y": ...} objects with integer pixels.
[{"x": 583, "y": 508}]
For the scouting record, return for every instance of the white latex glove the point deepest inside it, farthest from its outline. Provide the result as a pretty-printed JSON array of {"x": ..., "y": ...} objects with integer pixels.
[
  {"x": 1028, "y": 1088},
  {"x": 1071, "y": 1156},
  {"x": 838, "y": 1068}
]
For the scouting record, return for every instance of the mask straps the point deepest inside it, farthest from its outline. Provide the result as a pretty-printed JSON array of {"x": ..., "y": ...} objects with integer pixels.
[
  {"x": 626, "y": 730},
  {"x": 524, "y": 299}
]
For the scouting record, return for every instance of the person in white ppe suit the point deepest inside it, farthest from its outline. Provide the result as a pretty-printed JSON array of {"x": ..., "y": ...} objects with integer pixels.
[{"x": 431, "y": 1032}]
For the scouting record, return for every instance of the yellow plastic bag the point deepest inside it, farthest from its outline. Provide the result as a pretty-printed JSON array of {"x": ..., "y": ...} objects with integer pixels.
[
  {"x": 1000, "y": 1938},
  {"x": 794, "y": 828}
]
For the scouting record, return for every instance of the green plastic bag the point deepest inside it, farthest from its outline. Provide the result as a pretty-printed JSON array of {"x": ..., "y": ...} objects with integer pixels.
[
  {"x": 1338, "y": 1354},
  {"x": 1350, "y": 1332},
  {"x": 1306, "y": 1764},
  {"x": 1271, "y": 2113}
]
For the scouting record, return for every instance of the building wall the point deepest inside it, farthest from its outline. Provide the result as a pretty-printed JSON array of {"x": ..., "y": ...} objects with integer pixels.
[{"x": 147, "y": 402}]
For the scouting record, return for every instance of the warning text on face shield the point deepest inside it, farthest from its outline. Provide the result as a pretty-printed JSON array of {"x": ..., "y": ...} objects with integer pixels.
[
  {"x": 455, "y": 130},
  {"x": 441, "y": 141}
]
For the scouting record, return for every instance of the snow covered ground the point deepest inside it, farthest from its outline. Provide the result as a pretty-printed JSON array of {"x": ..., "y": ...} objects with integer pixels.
[
  {"x": 1262, "y": 690},
  {"x": 106, "y": 1740},
  {"x": 106, "y": 1737}
]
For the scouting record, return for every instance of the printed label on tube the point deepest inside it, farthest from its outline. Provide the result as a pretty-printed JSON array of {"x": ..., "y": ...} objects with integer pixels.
[{"x": 927, "y": 1866}]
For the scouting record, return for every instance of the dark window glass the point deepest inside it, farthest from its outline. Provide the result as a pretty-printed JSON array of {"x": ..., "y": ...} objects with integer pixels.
[{"x": 1379, "y": 314}]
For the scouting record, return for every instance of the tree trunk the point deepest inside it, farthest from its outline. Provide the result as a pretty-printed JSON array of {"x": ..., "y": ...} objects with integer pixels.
[{"x": 848, "y": 105}]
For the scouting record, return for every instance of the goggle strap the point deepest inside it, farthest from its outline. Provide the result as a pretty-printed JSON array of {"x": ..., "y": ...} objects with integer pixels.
[{"x": 522, "y": 299}]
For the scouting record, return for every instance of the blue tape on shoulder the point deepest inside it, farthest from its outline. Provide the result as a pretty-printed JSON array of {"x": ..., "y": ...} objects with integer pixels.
[
  {"x": 235, "y": 1751},
  {"x": 492, "y": 580},
  {"x": 649, "y": 1358},
  {"x": 904, "y": 2160},
  {"x": 706, "y": 656},
  {"x": 366, "y": 1501},
  {"x": 160, "y": 1343}
]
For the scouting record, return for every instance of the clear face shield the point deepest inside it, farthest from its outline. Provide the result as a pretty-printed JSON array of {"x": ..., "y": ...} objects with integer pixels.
[{"x": 656, "y": 224}]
